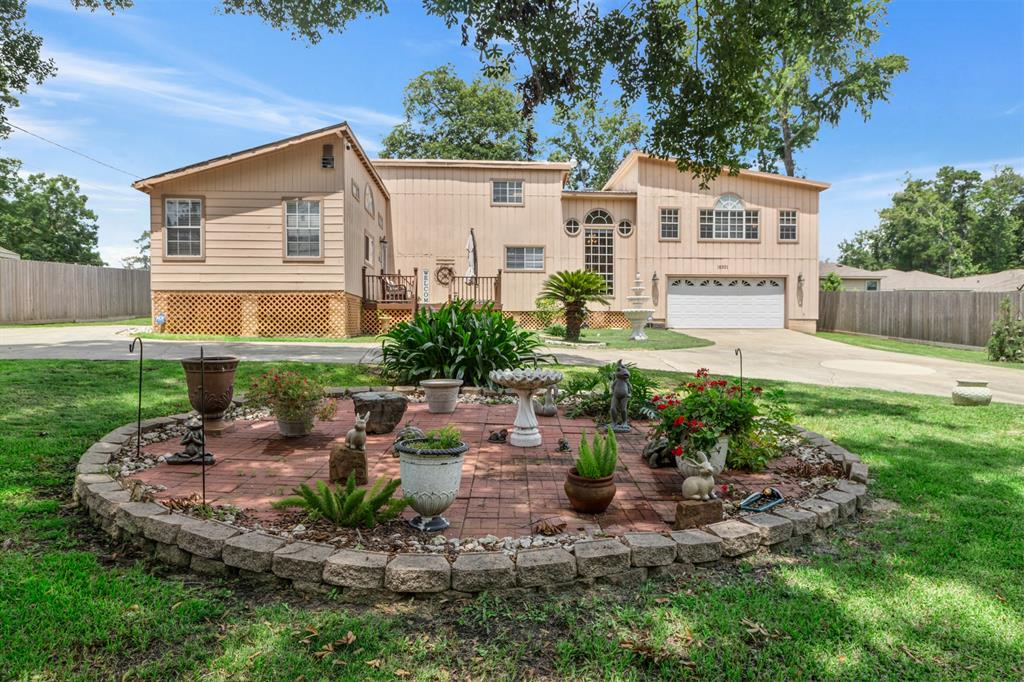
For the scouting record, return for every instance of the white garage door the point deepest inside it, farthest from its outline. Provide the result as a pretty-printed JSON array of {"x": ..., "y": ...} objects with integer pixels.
[{"x": 726, "y": 302}]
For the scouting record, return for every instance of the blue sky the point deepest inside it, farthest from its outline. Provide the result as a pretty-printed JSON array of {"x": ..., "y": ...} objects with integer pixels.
[{"x": 170, "y": 83}]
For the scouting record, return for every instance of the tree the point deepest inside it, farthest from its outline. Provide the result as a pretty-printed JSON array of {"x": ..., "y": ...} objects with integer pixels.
[
  {"x": 447, "y": 118},
  {"x": 46, "y": 218},
  {"x": 140, "y": 261},
  {"x": 810, "y": 82},
  {"x": 597, "y": 138},
  {"x": 20, "y": 61},
  {"x": 832, "y": 282},
  {"x": 995, "y": 230},
  {"x": 574, "y": 289}
]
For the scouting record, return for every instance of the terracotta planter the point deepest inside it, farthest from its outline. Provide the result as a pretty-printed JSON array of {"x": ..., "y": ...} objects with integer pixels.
[
  {"x": 589, "y": 495},
  {"x": 442, "y": 394},
  {"x": 220, "y": 387}
]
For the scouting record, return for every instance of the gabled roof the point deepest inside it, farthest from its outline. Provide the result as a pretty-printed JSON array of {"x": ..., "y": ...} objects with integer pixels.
[
  {"x": 339, "y": 129},
  {"x": 563, "y": 166},
  {"x": 634, "y": 156},
  {"x": 846, "y": 271},
  {"x": 7, "y": 253}
]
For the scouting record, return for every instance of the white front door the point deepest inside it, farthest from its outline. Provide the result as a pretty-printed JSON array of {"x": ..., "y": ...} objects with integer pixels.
[{"x": 726, "y": 302}]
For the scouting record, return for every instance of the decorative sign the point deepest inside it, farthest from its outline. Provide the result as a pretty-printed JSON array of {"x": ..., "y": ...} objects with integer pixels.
[{"x": 425, "y": 286}]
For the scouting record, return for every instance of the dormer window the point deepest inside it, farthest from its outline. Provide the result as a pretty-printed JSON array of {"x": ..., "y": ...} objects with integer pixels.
[{"x": 327, "y": 156}]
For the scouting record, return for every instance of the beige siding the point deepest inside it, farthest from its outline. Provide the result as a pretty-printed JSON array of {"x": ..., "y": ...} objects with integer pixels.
[
  {"x": 244, "y": 224},
  {"x": 359, "y": 222}
]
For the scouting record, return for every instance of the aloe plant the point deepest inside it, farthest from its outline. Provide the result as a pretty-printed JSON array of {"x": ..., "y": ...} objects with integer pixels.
[
  {"x": 349, "y": 506},
  {"x": 598, "y": 460}
]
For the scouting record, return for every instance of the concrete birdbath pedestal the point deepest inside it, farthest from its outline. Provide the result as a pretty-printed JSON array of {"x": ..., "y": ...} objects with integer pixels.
[
  {"x": 525, "y": 382},
  {"x": 636, "y": 314}
]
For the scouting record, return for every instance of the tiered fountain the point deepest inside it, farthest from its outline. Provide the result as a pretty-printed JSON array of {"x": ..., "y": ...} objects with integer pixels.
[{"x": 636, "y": 315}]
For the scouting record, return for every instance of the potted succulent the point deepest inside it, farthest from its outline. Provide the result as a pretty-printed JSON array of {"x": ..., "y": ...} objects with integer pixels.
[
  {"x": 294, "y": 400},
  {"x": 431, "y": 471},
  {"x": 589, "y": 485},
  {"x": 442, "y": 394}
]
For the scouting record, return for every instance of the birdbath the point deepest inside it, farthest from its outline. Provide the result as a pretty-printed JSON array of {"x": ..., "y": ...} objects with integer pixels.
[{"x": 525, "y": 382}]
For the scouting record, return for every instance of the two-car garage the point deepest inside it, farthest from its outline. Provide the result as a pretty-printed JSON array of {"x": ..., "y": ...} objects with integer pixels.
[{"x": 696, "y": 302}]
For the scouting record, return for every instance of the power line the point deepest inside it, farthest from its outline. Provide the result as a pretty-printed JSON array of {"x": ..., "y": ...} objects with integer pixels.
[{"x": 74, "y": 151}]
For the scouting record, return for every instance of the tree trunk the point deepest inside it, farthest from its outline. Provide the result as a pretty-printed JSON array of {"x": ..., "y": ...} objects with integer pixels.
[
  {"x": 573, "y": 321},
  {"x": 787, "y": 146}
]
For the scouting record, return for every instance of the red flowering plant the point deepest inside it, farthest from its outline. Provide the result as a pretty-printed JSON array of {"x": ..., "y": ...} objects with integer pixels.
[
  {"x": 686, "y": 434},
  {"x": 726, "y": 407},
  {"x": 290, "y": 397}
]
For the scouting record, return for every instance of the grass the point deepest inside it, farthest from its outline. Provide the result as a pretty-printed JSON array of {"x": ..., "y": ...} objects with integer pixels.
[
  {"x": 657, "y": 339},
  {"x": 128, "y": 322},
  {"x": 260, "y": 339},
  {"x": 930, "y": 591},
  {"x": 922, "y": 349}
]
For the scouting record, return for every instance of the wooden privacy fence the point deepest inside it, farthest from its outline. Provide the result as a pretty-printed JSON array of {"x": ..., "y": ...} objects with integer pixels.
[
  {"x": 35, "y": 291},
  {"x": 959, "y": 317}
]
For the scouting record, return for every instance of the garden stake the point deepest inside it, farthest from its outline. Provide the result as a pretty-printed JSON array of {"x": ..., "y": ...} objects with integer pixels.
[
  {"x": 138, "y": 420},
  {"x": 740, "y": 353},
  {"x": 202, "y": 413}
]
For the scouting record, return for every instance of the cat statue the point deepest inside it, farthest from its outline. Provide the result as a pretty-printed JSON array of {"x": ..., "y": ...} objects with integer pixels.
[
  {"x": 356, "y": 438},
  {"x": 701, "y": 486}
]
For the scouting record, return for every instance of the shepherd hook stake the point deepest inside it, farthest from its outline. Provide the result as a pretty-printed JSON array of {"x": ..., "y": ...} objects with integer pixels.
[
  {"x": 740, "y": 353},
  {"x": 138, "y": 420}
]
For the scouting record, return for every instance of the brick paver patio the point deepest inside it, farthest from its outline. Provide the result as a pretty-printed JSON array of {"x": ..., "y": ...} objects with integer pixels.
[{"x": 505, "y": 490}]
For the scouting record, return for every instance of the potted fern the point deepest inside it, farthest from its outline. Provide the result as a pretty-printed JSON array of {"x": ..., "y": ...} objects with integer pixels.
[
  {"x": 431, "y": 469},
  {"x": 589, "y": 485},
  {"x": 348, "y": 506}
]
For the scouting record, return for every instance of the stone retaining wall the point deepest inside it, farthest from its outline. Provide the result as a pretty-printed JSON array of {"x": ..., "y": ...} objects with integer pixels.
[{"x": 214, "y": 548}]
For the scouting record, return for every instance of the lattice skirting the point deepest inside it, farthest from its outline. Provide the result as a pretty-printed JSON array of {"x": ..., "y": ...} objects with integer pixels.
[
  {"x": 598, "y": 319},
  {"x": 252, "y": 313},
  {"x": 377, "y": 322}
]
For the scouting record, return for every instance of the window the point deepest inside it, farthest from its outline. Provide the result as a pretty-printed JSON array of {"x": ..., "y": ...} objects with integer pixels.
[
  {"x": 508, "y": 192},
  {"x": 872, "y": 285},
  {"x": 302, "y": 228},
  {"x": 355, "y": 189},
  {"x": 625, "y": 228},
  {"x": 669, "y": 223},
  {"x": 380, "y": 220},
  {"x": 367, "y": 248},
  {"x": 599, "y": 254},
  {"x": 787, "y": 226},
  {"x": 599, "y": 216},
  {"x": 572, "y": 227},
  {"x": 524, "y": 257},
  {"x": 729, "y": 220},
  {"x": 383, "y": 254},
  {"x": 368, "y": 200},
  {"x": 183, "y": 227},
  {"x": 327, "y": 156}
]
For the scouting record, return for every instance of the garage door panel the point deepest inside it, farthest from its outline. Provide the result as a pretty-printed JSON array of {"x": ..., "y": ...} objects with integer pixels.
[{"x": 727, "y": 303}]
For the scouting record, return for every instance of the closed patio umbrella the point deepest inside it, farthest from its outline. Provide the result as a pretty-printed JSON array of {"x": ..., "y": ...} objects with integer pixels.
[{"x": 471, "y": 254}]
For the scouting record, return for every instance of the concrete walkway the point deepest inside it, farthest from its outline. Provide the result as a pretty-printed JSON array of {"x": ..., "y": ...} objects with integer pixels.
[{"x": 767, "y": 354}]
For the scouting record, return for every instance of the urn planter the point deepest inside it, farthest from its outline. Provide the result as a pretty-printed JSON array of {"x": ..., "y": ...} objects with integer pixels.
[
  {"x": 442, "y": 394},
  {"x": 716, "y": 457},
  {"x": 589, "y": 495},
  {"x": 217, "y": 375},
  {"x": 431, "y": 477},
  {"x": 972, "y": 393}
]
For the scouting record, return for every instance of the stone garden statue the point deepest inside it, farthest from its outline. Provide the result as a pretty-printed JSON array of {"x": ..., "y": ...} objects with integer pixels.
[
  {"x": 621, "y": 390},
  {"x": 356, "y": 438},
  {"x": 548, "y": 407},
  {"x": 195, "y": 450}
]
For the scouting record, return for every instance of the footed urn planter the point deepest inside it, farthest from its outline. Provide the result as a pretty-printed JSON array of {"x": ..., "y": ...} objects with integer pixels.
[
  {"x": 431, "y": 477},
  {"x": 972, "y": 393},
  {"x": 716, "y": 457},
  {"x": 589, "y": 495},
  {"x": 442, "y": 394},
  {"x": 217, "y": 375}
]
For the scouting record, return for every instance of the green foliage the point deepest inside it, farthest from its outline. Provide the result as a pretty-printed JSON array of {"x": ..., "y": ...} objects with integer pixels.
[
  {"x": 456, "y": 341},
  {"x": 20, "y": 59},
  {"x": 447, "y": 118},
  {"x": 443, "y": 438},
  {"x": 290, "y": 396},
  {"x": 557, "y": 330},
  {"x": 832, "y": 282},
  {"x": 1007, "y": 341},
  {"x": 574, "y": 289},
  {"x": 45, "y": 218},
  {"x": 953, "y": 225},
  {"x": 753, "y": 448},
  {"x": 589, "y": 393},
  {"x": 597, "y": 460},
  {"x": 139, "y": 261},
  {"x": 348, "y": 506},
  {"x": 546, "y": 312},
  {"x": 596, "y": 137}
]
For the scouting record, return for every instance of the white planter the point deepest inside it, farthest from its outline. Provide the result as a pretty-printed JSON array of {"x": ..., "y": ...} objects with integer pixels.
[
  {"x": 973, "y": 393},
  {"x": 432, "y": 481},
  {"x": 716, "y": 457},
  {"x": 442, "y": 394}
]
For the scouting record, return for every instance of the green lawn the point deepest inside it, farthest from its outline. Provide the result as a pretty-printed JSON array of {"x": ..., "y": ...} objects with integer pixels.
[
  {"x": 932, "y": 590},
  {"x": 927, "y": 350},
  {"x": 657, "y": 339},
  {"x": 128, "y": 322},
  {"x": 261, "y": 339}
]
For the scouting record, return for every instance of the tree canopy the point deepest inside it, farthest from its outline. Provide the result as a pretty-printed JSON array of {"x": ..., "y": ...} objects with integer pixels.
[
  {"x": 20, "y": 60},
  {"x": 596, "y": 137},
  {"x": 46, "y": 218},
  {"x": 448, "y": 118},
  {"x": 953, "y": 225}
]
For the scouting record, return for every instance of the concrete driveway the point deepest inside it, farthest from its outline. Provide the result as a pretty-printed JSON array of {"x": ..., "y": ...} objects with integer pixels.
[{"x": 767, "y": 354}]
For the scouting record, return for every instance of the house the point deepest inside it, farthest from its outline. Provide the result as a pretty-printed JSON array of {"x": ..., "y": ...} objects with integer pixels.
[
  {"x": 308, "y": 235},
  {"x": 854, "y": 279},
  {"x": 8, "y": 254}
]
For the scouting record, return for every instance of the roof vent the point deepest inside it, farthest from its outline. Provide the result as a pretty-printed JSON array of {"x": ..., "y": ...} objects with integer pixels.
[{"x": 327, "y": 158}]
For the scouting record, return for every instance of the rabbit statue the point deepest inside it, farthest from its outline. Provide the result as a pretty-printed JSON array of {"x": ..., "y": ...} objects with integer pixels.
[
  {"x": 701, "y": 486},
  {"x": 356, "y": 438}
]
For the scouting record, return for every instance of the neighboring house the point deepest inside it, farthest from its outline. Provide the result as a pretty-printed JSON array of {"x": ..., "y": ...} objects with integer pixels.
[
  {"x": 277, "y": 240},
  {"x": 854, "y": 279},
  {"x": 8, "y": 254}
]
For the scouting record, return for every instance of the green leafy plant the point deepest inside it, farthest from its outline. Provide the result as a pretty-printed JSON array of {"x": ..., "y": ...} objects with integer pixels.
[
  {"x": 1007, "y": 341},
  {"x": 597, "y": 460},
  {"x": 574, "y": 289},
  {"x": 444, "y": 438},
  {"x": 832, "y": 282},
  {"x": 349, "y": 506},
  {"x": 457, "y": 341},
  {"x": 589, "y": 393},
  {"x": 546, "y": 313},
  {"x": 557, "y": 330},
  {"x": 290, "y": 397}
]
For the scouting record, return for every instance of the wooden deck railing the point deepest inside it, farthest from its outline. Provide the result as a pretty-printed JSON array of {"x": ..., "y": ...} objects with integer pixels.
[
  {"x": 390, "y": 289},
  {"x": 477, "y": 289}
]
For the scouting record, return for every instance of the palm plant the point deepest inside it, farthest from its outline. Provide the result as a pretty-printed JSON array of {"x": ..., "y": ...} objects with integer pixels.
[
  {"x": 349, "y": 506},
  {"x": 574, "y": 289}
]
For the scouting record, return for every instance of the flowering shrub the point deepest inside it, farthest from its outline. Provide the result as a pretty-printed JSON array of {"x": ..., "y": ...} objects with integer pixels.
[{"x": 290, "y": 396}]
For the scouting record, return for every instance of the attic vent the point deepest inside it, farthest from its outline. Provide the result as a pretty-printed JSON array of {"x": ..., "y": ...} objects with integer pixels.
[{"x": 327, "y": 159}]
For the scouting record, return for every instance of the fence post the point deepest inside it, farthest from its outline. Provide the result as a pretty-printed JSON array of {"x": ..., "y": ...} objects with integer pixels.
[{"x": 497, "y": 289}]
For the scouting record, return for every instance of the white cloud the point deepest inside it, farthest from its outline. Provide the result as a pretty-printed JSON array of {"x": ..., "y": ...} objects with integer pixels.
[
  {"x": 881, "y": 184},
  {"x": 58, "y": 130},
  {"x": 114, "y": 255}
]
